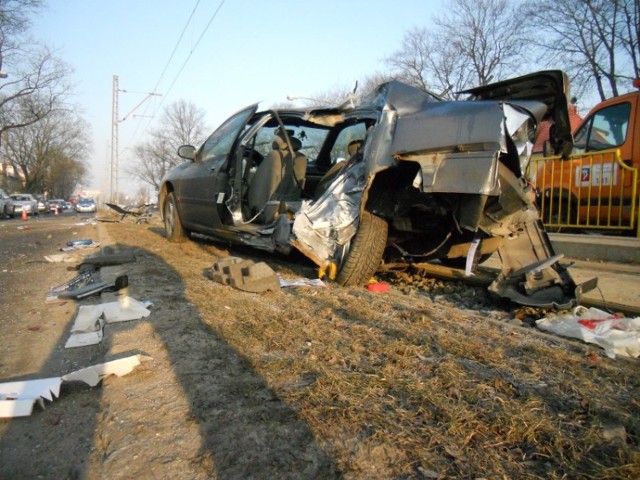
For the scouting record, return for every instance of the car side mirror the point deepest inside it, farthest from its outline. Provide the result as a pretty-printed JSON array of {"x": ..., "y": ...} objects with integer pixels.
[{"x": 187, "y": 151}]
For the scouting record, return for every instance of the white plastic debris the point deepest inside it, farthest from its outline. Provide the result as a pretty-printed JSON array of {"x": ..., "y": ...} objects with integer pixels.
[
  {"x": 17, "y": 398},
  {"x": 87, "y": 327},
  {"x": 300, "y": 282},
  {"x": 616, "y": 335}
]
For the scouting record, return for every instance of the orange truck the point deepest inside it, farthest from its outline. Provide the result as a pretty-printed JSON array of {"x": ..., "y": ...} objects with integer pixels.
[{"x": 596, "y": 187}]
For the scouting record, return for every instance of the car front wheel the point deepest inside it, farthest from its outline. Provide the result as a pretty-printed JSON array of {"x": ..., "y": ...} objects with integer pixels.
[
  {"x": 173, "y": 228},
  {"x": 366, "y": 250}
]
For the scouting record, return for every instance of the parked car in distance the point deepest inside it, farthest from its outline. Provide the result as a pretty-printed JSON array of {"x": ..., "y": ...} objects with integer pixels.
[
  {"x": 86, "y": 205},
  {"x": 42, "y": 204},
  {"x": 56, "y": 204},
  {"x": 7, "y": 208},
  {"x": 25, "y": 202},
  {"x": 399, "y": 176}
]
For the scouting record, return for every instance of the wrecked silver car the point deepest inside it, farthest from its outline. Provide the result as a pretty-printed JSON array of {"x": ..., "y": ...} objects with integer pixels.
[{"x": 401, "y": 175}]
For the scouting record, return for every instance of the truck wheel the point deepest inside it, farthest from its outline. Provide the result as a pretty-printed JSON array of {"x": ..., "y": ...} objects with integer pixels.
[
  {"x": 173, "y": 228},
  {"x": 365, "y": 254},
  {"x": 559, "y": 215}
]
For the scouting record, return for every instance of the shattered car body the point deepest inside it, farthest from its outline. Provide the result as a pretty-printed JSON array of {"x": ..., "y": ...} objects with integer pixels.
[{"x": 401, "y": 176}]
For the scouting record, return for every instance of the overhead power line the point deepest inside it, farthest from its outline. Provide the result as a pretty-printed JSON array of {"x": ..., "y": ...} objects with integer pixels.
[
  {"x": 177, "y": 44},
  {"x": 193, "y": 50}
]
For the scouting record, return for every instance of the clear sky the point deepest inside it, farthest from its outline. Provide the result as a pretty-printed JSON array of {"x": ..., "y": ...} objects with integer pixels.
[{"x": 252, "y": 50}]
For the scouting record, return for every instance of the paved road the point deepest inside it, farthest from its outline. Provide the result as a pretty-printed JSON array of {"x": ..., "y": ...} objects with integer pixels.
[{"x": 617, "y": 283}]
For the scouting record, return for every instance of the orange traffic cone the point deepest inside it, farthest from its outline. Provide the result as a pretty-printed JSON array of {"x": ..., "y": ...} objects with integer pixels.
[{"x": 24, "y": 215}]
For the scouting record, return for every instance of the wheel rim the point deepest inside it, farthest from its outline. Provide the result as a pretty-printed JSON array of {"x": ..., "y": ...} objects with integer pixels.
[{"x": 169, "y": 219}]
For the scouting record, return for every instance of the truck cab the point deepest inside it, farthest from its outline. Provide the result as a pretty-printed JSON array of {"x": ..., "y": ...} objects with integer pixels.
[{"x": 597, "y": 185}]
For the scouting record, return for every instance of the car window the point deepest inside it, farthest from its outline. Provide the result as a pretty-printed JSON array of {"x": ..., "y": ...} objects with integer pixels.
[
  {"x": 606, "y": 129},
  {"x": 221, "y": 141},
  {"x": 311, "y": 138},
  {"x": 340, "y": 149}
]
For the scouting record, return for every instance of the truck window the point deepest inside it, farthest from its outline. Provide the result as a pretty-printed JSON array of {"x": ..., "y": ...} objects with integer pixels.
[{"x": 607, "y": 128}]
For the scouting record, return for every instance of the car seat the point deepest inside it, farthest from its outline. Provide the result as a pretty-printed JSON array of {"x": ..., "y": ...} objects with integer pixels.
[{"x": 278, "y": 178}]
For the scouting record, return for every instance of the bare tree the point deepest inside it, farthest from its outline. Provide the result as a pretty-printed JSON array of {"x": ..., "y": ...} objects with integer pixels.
[
  {"x": 429, "y": 61},
  {"x": 595, "y": 40},
  {"x": 181, "y": 123},
  {"x": 51, "y": 154},
  {"x": 14, "y": 22},
  {"x": 480, "y": 41},
  {"x": 36, "y": 78}
]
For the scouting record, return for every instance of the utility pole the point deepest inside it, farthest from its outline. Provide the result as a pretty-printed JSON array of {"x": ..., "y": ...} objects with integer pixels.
[
  {"x": 115, "y": 122},
  {"x": 114, "y": 141}
]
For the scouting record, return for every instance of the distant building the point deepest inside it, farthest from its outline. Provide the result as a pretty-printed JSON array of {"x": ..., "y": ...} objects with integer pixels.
[{"x": 10, "y": 179}]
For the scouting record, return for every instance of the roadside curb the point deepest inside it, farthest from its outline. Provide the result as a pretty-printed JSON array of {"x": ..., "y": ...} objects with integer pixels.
[{"x": 597, "y": 247}]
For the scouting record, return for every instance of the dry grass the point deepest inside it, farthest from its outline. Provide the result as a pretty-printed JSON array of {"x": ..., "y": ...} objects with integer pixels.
[{"x": 399, "y": 386}]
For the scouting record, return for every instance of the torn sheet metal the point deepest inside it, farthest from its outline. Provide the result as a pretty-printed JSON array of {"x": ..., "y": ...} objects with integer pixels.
[
  {"x": 17, "y": 398},
  {"x": 321, "y": 226},
  {"x": 616, "y": 335},
  {"x": 85, "y": 285},
  {"x": 78, "y": 287},
  {"x": 531, "y": 273}
]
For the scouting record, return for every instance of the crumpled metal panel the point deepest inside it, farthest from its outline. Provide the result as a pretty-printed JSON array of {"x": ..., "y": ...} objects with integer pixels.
[
  {"x": 449, "y": 125},
  {"x": 321, "y": 226},
  {"x": 531, "y": 273}
]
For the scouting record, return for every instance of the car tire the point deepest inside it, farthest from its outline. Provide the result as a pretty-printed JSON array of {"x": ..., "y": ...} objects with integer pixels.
[
  {"x": 365, "y": 254},
  {"x": 173, "y": 228}
]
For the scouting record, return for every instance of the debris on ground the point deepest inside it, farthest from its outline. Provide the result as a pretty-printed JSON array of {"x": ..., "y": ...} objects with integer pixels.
[
  {"x": 90, "y": 320},
  {"x": 301, "y": 282},
  {"x": 378, "y": 287},
  {"x": 245, "y": 275},
  {"x": 79, "y": 244},
  {"x": 141, "y": 214},
  {"x": 616, "y": 334},
  {"x": 84, "y": 285},
  {"x": 17, "y": 398},
  {"x": 108, "y": 256}
]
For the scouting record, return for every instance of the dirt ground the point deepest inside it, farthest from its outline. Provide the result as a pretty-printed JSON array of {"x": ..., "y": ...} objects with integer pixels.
[{"x": 428, "y": 380}]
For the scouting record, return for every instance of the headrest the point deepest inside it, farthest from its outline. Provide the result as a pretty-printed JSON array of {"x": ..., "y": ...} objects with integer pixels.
[
  {"x": 280, "y": 143},
  {"x": 354, "y": 146},
  {"x": 279, "y": 133}
]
